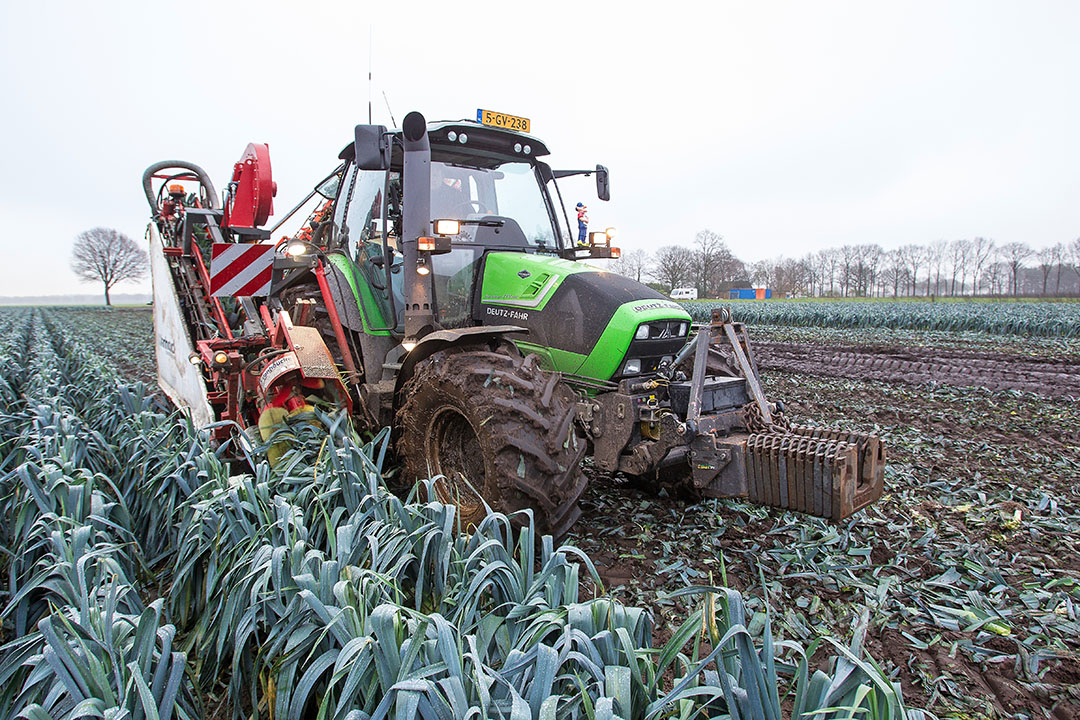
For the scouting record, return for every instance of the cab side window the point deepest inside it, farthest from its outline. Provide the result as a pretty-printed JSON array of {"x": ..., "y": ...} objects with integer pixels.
[{"x": 364, "y": 215}]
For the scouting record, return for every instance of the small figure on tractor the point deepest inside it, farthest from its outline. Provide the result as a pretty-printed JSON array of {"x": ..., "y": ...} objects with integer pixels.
[{"x": 582, "y": 224}]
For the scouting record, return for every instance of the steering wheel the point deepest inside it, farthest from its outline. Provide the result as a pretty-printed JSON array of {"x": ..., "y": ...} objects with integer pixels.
[{"x": 473, "y": 207}]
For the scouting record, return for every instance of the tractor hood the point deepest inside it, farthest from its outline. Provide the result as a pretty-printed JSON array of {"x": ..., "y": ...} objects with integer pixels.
[{"x": 581, "y": 319}]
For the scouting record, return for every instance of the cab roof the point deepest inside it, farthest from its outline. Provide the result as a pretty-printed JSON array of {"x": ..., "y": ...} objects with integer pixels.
[{"x": 484, "y": 146}]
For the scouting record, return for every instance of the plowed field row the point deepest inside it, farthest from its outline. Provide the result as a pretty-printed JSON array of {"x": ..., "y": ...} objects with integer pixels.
[{"x": 992, "y": 371}]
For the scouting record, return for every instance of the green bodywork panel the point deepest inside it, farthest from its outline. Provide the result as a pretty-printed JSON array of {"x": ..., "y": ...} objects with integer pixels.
[
  {"x": 373, "y": 309},
  {"x": 503, "y": 286},
  {"x": 603, "y": 361},
  {"x": 513, "y": 297}
]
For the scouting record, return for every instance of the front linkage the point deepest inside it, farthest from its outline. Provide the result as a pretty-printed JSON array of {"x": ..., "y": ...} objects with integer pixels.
[{"x": 736, "y": 444}]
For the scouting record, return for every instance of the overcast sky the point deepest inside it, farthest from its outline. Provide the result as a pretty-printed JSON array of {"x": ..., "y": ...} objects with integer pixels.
[{"x": 785, "y": 127}]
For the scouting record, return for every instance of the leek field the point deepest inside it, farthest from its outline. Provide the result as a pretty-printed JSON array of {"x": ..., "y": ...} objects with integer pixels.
[
  {"x": 145, "y": 578},
  {"x": 1042, "y": 319}
]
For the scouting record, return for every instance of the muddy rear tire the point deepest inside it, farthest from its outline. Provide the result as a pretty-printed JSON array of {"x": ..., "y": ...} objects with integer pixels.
[{"x": 501, "y": 422}]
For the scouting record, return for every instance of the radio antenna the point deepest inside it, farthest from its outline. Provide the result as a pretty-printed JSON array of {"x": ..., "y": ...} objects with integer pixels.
[
  {"x": 387, "y": 100},
  {"x": 370, "y": 36}
]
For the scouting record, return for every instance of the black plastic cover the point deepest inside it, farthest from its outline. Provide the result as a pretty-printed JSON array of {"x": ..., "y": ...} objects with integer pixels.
[{"x": 718, "y": 394}]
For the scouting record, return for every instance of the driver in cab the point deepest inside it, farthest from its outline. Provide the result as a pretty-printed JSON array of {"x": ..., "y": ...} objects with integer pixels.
[{"x": 449, "y": 193}]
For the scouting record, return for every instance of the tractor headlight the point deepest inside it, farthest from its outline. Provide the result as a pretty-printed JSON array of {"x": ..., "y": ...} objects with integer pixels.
[
  {"x": 682, "y": 329},
  {"x": 642, "y": 332},
  {"x": 447, "y": 227},
  {"x": 632, "y": 367}
]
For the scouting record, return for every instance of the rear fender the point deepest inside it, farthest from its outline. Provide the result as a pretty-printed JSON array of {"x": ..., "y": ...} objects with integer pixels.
[{"x": 443, "y": 339}]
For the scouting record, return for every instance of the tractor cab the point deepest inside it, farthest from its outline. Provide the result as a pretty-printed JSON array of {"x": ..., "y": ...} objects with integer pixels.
[{"x": 488, "y": 191}]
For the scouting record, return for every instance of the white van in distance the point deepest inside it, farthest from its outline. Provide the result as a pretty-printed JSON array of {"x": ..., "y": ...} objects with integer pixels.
[{"x": 684, "y": 294}]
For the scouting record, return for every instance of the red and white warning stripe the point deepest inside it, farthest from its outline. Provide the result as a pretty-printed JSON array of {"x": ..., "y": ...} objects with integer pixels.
[{"x": 240, "y": 269}]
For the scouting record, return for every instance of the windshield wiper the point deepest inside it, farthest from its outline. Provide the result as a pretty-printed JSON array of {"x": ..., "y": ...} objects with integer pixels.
[{"x": 485, "y": 222}]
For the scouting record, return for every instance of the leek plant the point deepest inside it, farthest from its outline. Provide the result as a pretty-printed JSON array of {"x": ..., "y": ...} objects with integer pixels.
[{"x": 309, "y": 590}]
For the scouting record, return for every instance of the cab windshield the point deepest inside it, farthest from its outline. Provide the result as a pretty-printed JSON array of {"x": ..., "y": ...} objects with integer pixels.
[
  {"x": 503, "y": 208},
  {"x": 509, "y": 197}
]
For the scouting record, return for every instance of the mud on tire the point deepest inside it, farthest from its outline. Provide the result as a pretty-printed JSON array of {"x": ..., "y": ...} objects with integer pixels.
[{"x": 503, "y": 423}]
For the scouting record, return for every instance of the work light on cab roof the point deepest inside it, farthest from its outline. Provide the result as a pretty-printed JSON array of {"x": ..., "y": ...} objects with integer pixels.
[{"x": 436, "y": 287}]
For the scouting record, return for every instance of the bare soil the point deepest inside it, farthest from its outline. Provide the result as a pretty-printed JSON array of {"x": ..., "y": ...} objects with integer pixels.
[
  {"x": 993, "y": 371},
  {"x": 972, "y": 437}
]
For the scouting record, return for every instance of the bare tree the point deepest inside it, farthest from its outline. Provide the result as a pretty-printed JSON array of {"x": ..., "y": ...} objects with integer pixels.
[
  {"x": 633, "y": 264},
  {"x": 828, "y": 260},
  {"x": 728, "y": 270},
  {"x": 673, "y": 265},
  {"x": 981, "y": 249},
  {"x": 961, "y": 254},
  {"x": 709, "y": 247},
  {"x": 853, "y": 269},
  {"x": 1072, "y": 254},
  {"x": 894, "y": 270},
  {"x": 936, "y": 256},
  {"x": 107, "y": 256},
  {"x": 847, "y": 257},
  {"x": 1048, "y": 258},
  {"x": 1059, "y": 261},
  {"x": 790, "y": 277},
  {"x": 996, "y": 277},
  {"x": 912, "y": 258},
  {"x": 813, "y": 274},
  {"x": 761, "y": 273},
  {"x": 1013, "y": 256},
  {"x": 869, "y": 261}
]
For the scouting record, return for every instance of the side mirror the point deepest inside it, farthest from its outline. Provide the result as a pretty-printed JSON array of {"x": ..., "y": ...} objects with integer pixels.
[
  {"x": 372, "y": 148},
  {"x": 603, "y": 183}
]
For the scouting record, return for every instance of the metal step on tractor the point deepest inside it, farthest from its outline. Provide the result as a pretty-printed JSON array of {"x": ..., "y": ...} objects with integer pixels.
[{"x": 435, "y": 288}]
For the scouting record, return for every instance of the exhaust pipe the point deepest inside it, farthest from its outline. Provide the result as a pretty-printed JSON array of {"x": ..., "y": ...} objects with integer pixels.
[{"x": 419, "y": 300}]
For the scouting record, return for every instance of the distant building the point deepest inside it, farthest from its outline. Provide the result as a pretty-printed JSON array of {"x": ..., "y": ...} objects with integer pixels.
[{"x": 750, "y": 294}]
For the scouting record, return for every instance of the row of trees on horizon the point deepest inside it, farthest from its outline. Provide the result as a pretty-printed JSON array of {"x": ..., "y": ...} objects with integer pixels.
[
  {"x": 963, "y": 267},
  {"x": 958, "y": 268}
]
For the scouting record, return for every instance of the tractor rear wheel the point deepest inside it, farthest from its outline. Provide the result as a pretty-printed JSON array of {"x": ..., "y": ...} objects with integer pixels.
[{"x": 496, "y": 428}]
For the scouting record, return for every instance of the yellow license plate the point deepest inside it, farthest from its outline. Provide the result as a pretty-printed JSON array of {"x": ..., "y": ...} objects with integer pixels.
[{"x": 502, "y": 120}]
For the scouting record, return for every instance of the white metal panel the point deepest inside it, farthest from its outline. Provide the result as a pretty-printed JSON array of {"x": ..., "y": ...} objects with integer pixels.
[{"x": 178, "y": 378}]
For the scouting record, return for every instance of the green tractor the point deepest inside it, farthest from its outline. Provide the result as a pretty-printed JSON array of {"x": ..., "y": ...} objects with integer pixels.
[{"x": 437, "y": 289}]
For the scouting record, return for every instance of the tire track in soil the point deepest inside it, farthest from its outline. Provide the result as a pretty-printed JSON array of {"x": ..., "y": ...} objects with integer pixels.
[{"x": 993, "y": 371}]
